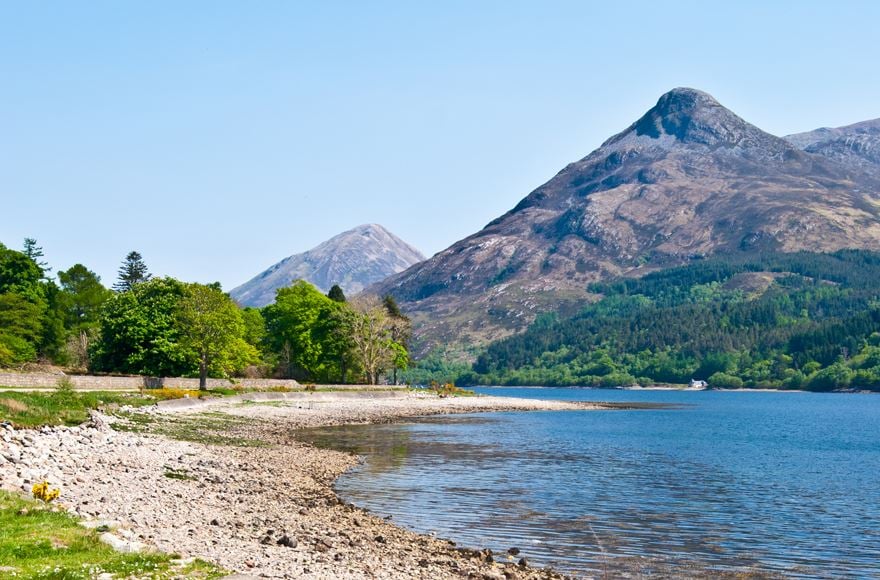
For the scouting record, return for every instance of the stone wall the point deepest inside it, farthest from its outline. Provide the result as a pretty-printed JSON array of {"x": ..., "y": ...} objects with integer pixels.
[{"x": 100, "y": 383}]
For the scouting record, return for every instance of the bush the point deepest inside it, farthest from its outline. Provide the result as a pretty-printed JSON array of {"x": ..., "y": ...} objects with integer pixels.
[
  {"x": 836, "y": 376},
  {"x": 165, "y": 394},
  {"x": 725, "y": 381}
]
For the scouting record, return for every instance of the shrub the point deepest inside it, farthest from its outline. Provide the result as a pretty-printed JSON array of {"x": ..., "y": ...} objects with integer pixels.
[
  {"x": 42, "y": 492},
  {"x": 725, "y": 381},
  {"x": 165, "y": 394}
]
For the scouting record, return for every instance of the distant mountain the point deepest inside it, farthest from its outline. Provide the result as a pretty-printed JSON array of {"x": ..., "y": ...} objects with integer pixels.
[
  {"x": 855, "y": 146},
  {"x": 353, "y": 259},
  {"x": 687, "y": 180}
]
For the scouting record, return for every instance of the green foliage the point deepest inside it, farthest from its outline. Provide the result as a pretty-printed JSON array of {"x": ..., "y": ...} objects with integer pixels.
[
  {"x": 61, "y": 406},
  {"x": 54, "y": 337},
  {"x": 35, "y": 253},
  {"x": 706, "y": 321},
  {"x": 336, "y": 294},
  {"x": 725, "y": 381},
  {"x": 313, "y": 337},
  {"x": 254, "y": 326},
  {"x": 83, "y": 296},
  {"x": 23, "y": 308},
  {"x": 20, "y": 275},
  {"x": 211, "y": 332},
  {"x": 439, "y": 366},
  {"x": 40, "y": 543},
  {"x": 139, "y": 333},
  {"x": 296, "y": 323},
  {"x": 133, "y": 271},
  {"x": 21, "y": 327}
]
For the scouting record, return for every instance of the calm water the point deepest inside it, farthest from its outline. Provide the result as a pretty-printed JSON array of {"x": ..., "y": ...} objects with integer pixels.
[{"x": 782, "y": 482}]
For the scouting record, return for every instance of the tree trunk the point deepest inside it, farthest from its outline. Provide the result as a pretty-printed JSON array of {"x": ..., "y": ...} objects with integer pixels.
[{"x": 203, "y": 374}]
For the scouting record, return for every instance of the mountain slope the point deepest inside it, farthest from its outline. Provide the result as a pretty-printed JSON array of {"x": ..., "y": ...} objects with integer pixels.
[
  {"x": 688, "y": 179},
  {"x": 855, "y": 146},
  {"x": 353, "y": 259}
]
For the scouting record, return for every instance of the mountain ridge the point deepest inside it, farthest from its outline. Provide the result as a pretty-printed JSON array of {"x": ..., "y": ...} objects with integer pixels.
[
  {"x": 856, "y": 146},
  {"x": 688, "y": 179}
]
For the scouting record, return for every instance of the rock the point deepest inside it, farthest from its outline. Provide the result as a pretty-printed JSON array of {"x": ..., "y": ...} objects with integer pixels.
[
  {"x": 12, "y": 453},
  {"x": 513, "y": 551},
  {"x": 214, "y": 522},
  {"x": 380, "y": 539},
  {"x": 287, "y": 541},
  {"x": 120, "y": 545}
]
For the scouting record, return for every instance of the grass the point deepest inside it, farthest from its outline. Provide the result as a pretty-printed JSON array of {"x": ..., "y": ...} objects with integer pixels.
[
  {"x": 209, "y": 428},
  {"x": 450, "y": 390},
  {"x": 61, "y": 406},
  {"x": 38, "y": 543},
  {"x": 66, "y": 406},
  {"x": 175, "y": 473}
]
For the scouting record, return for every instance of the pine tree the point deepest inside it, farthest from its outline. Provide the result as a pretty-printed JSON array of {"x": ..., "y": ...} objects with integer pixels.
[
  {"x": 35, "y": 252},
  {"x": 336, "y": 294},
  {"x": 133, "y": 271},
  {"x": 391, "y": 306}
]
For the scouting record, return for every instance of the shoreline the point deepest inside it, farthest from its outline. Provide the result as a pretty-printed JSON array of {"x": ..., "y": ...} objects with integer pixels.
[{"x": 265, "y": 509}]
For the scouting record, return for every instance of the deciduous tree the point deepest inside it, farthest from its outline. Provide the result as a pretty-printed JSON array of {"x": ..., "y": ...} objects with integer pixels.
[
  {"x": 83, "y": 296},
  {"x": 139, "y": 334},
  {"x": 210, "y": 326},
  {"x": 371, "y": 335}
]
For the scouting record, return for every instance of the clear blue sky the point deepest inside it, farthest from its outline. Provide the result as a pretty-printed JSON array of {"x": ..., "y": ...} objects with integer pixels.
[{"x": 218, "y": 137}]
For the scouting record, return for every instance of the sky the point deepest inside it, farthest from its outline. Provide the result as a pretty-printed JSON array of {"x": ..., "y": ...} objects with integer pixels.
[{"x": 216, "y": 138}]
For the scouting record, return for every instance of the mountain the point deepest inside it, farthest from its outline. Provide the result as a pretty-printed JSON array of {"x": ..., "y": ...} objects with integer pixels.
[
  {"x": 353, "y": 259},
  {"x": 687, "y": 180},
  {"x": 855, "y": 146}
]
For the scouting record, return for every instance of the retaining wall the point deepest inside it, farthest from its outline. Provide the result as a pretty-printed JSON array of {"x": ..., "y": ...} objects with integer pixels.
[{"x": 100, "y": 383}]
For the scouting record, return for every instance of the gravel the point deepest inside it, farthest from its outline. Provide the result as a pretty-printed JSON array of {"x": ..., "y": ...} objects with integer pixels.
[{"x": 265, "y": 512}]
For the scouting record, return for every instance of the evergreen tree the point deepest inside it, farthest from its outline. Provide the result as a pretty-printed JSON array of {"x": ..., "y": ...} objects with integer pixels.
[
  {"x": 133, "y": 271},
  {"x": 336, "y": 294},
  {"x": 35, "y": 252},
  {"x": 391, "y": 306},
  {"x": 83, "y": 297}
]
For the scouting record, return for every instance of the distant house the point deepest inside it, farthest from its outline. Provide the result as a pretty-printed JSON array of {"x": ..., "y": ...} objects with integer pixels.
[{"x": 695, "y": 384}]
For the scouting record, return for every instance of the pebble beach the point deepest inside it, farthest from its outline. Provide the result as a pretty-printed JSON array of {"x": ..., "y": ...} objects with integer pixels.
[{"x": 265, "y": 509}]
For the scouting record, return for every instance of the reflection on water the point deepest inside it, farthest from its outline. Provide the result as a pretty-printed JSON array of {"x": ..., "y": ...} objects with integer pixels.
[{"x": 774, "y": 482}]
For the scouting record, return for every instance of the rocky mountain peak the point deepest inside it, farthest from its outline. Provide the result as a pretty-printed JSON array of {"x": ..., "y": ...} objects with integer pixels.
[
  {"x": 689, "y": 117},
  {"x": 353, "y": 259},
  {"x": 688, "y": 179}
]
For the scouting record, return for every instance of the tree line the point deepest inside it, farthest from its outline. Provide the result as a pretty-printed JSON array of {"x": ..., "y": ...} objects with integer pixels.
[
  {"x": 800, "y": 320},
  {"x": 165, "y": 327}
]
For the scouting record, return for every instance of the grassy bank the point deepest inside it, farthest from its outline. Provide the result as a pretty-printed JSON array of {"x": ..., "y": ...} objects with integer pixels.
[
  {"x": 38, "y": 543},
  {"x": 66, "y": 406},
  {"x": 61, "y": 406}
]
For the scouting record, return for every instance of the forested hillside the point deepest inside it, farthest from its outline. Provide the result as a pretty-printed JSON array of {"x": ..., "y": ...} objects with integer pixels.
[{"x": 801, "y": 320}]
